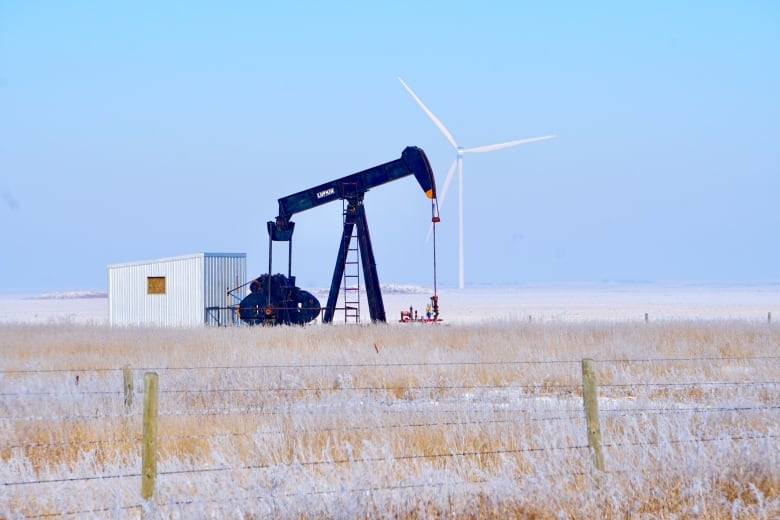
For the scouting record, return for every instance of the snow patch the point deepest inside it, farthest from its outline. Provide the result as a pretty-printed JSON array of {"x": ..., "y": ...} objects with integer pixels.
[
  {"x": 387, "y": 289},
  {"x": 69, "y": 295},
  {"x": 405, "y": 289}
]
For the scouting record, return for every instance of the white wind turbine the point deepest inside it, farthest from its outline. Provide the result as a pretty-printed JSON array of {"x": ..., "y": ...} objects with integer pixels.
[{"x": 459, "y": 163}]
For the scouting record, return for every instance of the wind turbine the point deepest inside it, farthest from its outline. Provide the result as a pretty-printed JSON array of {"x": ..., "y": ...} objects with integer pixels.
[{"x": 459, "y": 163}]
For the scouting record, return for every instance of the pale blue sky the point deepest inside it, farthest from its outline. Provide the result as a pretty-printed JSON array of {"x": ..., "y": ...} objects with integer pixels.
[{"x": 140, "y": 130}]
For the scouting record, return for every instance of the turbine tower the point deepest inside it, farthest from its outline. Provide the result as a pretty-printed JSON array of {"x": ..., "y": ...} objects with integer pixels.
[{"x": 458, "y": 162}]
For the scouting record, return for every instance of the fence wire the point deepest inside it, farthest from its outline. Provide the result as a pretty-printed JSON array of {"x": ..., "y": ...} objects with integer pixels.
[{"x": 572, "y": 392}]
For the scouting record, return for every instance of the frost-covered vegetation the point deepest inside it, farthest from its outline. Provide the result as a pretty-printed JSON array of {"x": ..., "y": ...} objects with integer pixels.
[{"x": 403, "y": 421}]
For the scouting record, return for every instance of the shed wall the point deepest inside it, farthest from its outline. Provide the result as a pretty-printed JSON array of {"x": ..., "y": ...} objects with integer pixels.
[
  {"x": 192, "y": 283},
  {"x": 220, "y": 274}
]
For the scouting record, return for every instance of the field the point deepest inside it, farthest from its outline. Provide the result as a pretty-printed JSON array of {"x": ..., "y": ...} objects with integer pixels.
[{"x": 479, "y": 417}]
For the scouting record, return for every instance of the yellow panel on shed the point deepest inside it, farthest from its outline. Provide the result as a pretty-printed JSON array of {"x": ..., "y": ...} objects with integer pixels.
[{"x": 155, "y": 285}]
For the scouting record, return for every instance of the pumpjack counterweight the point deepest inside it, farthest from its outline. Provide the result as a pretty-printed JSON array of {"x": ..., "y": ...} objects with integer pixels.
[{"x": 292, "y": 305}]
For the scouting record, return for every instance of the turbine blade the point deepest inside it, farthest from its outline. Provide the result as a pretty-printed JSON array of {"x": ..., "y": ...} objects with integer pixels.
[
  {"x": 508, "y": 144},
  {"x": 440, "y": 199},
  {"x": 433, "y": 118},
  {"x": 447, "y": 181}
]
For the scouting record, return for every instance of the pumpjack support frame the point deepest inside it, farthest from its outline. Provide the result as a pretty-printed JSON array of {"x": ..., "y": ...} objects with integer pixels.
[{"x": 355, "y": 217}]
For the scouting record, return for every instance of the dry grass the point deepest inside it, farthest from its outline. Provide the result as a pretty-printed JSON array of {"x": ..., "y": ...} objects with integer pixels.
[{"x": 479, "y": 421}]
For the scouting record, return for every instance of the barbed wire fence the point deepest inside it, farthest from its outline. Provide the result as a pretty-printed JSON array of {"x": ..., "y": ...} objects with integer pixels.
[{"x": 31, "y": 400}]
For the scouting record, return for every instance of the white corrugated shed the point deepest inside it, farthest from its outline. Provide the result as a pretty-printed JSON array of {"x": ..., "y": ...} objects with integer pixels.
[{"x": 176, "y": 291}]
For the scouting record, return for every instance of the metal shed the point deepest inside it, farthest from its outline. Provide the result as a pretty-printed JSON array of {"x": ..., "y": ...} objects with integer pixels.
[{"x": 182, "y": 291}]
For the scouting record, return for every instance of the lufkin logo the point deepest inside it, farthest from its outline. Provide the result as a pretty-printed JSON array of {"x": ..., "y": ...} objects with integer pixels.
[{"x": 326, "y": 193}]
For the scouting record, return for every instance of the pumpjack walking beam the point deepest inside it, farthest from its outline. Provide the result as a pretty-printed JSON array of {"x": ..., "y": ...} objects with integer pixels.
[{"x": 352, "y": 188}]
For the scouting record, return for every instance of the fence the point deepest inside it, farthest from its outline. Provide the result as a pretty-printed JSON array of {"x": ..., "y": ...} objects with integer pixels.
[{"x": 289, "y": 432}]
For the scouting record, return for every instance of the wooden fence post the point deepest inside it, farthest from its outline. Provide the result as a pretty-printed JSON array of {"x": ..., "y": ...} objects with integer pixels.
[
  {"x": 128, "y": 377},
  {"x": 590, "y": 399},
  {"x": 149, "y": 449}
]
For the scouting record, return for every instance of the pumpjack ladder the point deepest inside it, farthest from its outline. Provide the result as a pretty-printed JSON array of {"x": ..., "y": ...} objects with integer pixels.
[{"x": 351, "y": 271}]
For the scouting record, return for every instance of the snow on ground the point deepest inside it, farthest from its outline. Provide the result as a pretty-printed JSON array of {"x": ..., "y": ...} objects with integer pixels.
[
  {"x": 542, "y": 303},
  {"x": 82, "y": 307},
  {"x": 624, "y": 302}
]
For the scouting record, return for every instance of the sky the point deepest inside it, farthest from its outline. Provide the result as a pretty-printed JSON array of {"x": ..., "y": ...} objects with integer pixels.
[{"x": 141, "y": 130}]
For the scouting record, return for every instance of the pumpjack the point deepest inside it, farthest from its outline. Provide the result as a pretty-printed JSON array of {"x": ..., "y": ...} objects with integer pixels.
[{"x": 274, "y": 299}]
